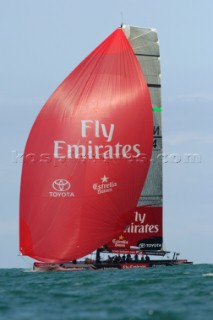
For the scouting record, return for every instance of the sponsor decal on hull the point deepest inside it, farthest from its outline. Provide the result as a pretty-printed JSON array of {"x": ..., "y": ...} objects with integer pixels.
[{"x": 134, "y": 265}]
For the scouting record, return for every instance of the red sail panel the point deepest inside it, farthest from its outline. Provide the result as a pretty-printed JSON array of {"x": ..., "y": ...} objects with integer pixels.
[
  {"x": 87, "y": 156},
  {"x": 144, "y": 231}
]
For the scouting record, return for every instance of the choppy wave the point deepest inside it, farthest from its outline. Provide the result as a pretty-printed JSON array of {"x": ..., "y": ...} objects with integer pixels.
[
  {"x": 170, "y": 293},
  {"x": 208, "y": 274}
]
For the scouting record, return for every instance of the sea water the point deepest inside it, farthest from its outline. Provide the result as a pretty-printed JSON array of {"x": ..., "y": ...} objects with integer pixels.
[{"x": 180, "y": 292}]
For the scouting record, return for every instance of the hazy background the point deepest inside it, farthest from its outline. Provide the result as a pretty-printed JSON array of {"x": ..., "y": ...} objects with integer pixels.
[{"x": 40, "y": 44}]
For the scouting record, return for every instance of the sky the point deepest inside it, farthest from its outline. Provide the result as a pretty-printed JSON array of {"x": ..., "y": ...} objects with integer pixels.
[{"x": 42, "y": 41}]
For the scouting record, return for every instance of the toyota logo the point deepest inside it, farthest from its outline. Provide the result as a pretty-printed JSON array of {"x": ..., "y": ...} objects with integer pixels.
[
  {"x": 142, "y": 245},
  {"x": 61, "y": 185}
]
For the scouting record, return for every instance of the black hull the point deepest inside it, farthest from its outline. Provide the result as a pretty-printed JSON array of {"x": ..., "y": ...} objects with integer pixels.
[{"x": 80, "y": 266}]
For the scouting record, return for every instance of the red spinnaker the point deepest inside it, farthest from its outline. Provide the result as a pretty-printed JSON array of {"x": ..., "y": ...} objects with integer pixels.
[{"x": 87, "y": 156}]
